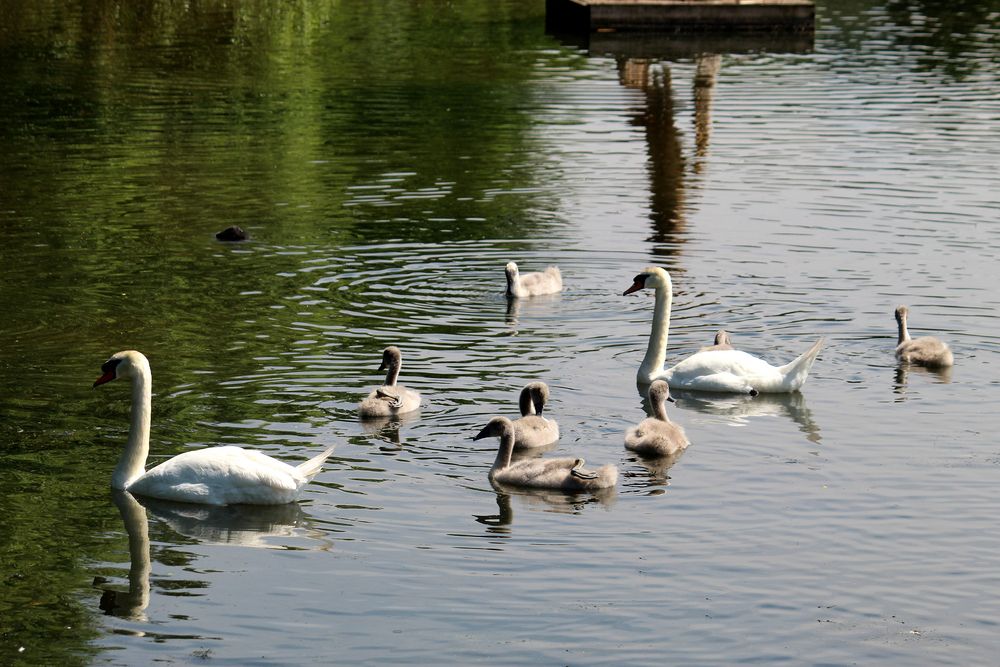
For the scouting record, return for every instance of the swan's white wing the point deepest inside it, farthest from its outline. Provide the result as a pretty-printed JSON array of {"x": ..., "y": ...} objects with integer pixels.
[
  {"x": 721, "y": 370},
  {"x": 222, "y": 476}
]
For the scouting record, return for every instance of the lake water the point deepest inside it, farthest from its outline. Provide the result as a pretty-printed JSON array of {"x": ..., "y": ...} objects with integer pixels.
[{"x": 388, "y": 159}]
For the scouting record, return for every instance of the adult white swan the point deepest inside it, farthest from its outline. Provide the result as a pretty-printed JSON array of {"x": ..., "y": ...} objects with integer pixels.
[
  {"x": 730, "y": 371},
  {"x": 214, "y": 476},
  {"x": 564, "y": 474}
]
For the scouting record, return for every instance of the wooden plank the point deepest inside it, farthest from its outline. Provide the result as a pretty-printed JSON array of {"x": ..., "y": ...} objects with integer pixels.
[{"x": 680, "y": 15}]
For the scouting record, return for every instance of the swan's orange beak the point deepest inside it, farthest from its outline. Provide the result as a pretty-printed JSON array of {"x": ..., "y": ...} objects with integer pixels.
[
  {"x": 107, "y": 377},
  {"x": 636, "y": 286}
]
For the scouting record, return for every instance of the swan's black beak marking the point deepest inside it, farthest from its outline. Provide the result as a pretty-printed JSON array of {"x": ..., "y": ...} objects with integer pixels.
[
  {"x": 637, "y": 284},
  {"x": 670, "y": 399},
  {"x": 110, "y": 371}
]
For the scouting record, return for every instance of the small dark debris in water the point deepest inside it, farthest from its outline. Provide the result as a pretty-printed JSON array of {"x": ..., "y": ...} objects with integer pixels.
[{"x": 233, "y": 233}]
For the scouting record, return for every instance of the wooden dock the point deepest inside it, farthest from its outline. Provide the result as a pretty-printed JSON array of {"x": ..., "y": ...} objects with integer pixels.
[{"x": 577, "y": 16}]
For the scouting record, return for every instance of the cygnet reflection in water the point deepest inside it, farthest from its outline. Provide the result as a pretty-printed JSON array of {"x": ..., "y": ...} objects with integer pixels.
[
  {"x": 541, "y": 500},
  {"x": 656, "y": 469},
  {"x": 533, "y": 308},
  {"x": 387, "y": 429},
  {"x": 904, "y": 371}
]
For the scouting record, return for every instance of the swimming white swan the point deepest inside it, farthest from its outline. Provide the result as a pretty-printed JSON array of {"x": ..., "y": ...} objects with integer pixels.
[
  {"x": 731, "y": 371},
  {"x": 391, "y": 398},
  {"x": 566, "y": 474},
  {"x": 926, "y": 350},
  {"x": 519, "y": 284},
  {"x": 532, "y": 429},
  {"x": 656, "y": 435},
  {"x": 722, "y": 342},
  {"x": 214, "y": 476}
]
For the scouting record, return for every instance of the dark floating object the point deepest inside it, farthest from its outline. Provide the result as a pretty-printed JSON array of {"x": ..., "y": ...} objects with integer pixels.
[{"x": 233, "y": 233}]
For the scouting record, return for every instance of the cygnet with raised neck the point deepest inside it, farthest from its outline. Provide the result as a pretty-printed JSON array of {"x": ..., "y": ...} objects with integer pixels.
[
  {"x": 534, "y": 283},
  {"x": 532, "y": 429},
  {"x": 391, "y": 398},
  {"x": 564, "y": 474},
  {"x": 722, "y": 342},
  {"x": 657, "y": 436},
  {"x": 924, "y": 351}
]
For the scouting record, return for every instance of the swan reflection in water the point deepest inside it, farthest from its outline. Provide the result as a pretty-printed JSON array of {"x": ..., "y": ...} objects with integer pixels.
[
  {"x": 739, "y": 408},
  {"x": 241, "y": 525},
  {"x": 130, "y": 604},
  {"x": 263, "y": 526},
  {"x": 544, "y": 500},
  {"x": 905, "y": 369}
]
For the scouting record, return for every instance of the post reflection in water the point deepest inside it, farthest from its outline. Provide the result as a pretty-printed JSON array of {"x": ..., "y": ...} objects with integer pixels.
[{"x": 667, "y": 164}]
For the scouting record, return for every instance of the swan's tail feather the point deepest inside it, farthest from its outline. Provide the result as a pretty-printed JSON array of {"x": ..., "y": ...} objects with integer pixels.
[
  {"x": 796, "y": 371},
  {"x": 315, "y": 464}
]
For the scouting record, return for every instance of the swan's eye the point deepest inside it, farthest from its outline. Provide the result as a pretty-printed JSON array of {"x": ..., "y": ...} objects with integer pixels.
[
  {"x": 110, "y": 365},
  {"x": 641, "y": 279}
]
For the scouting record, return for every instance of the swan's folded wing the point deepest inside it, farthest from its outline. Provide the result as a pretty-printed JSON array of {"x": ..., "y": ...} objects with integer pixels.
[
  {"x": 228, "y": 475},
  {"x": 541, "y": 468}
]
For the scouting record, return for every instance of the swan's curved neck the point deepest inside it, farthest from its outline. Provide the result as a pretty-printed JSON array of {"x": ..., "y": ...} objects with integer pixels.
[
  {"x": 132, "y": 463},
  {"x": 526, "y": 402},
  {"x": 506, "y": 449},
  {"x": 656, "y": 351},
  {"x": 904, "y": 335},
  {"x": 393, "y": 373},
  {"x": 660, "y": 410}
]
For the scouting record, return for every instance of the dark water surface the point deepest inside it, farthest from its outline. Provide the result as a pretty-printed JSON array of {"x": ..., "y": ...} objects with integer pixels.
[{"x": 387, "y": 159}]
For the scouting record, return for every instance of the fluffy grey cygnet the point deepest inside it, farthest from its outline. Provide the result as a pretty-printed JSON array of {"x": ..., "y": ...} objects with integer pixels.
[
  {"x": 925, "y": 351},
  {"x": 520, "y": 284},
  {"x": 391, "y": 398},
  {"x": 565, "y": 474},
  {"x": 657, "y": 435},
  {"x": 722, "y": 342},
  {"x": 532, "y": 429}
]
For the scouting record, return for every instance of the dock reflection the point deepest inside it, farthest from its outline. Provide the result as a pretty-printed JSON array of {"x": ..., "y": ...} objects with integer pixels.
[{"x": 643, "y": 60}]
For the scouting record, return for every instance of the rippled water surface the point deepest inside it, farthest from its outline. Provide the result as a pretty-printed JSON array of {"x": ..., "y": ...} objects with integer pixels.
[{"x": 387, "y": 160}]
